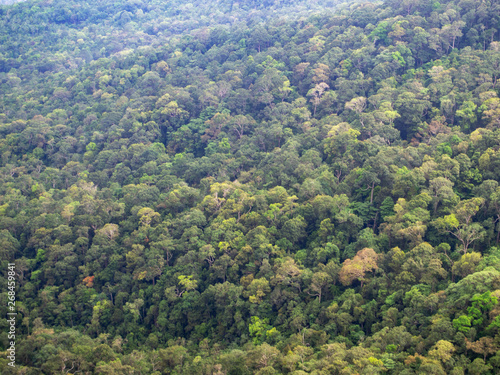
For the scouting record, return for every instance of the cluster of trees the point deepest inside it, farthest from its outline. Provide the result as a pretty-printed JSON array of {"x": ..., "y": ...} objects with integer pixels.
[{"x": 248, "y": 192}]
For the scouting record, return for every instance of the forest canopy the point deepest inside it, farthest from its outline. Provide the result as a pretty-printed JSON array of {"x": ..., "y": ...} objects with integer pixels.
[{"x": 252, "y": 187}]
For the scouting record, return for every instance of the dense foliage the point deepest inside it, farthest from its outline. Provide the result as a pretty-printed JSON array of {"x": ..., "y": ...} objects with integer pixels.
[{"x": 276, "y": 187}]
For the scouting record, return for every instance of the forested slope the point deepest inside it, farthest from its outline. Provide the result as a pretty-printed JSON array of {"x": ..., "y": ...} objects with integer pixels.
[{"x": 225, "y": 187}]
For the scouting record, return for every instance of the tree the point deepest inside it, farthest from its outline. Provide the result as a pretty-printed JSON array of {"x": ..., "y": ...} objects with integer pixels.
[
  {"x": 412, "y": 107},
  {"x": 242, "y": 124},
  {"x": 441, "y": 190},
  {"x": 8, "y": 245},
  {"x": 368, "y": 177},
  {"x": 355, "y": 269},
  {"x": 318, "y": 281},
  {"x": 341, "y": 140},
  {"x": 462, "y": 323},
  {"x": 467, "y": 264},
  {"x": 459, "y": 222},
  {"x": 111, "y": 231},
  {"x": 451, "y": 32},
  {"x": 173, "y": 356},
  {"x": 424, "y": 264},
  {"x": 148, "y": 216},
  {"x": 257, "y": 289},
  {"x": 186, "y": 283},
  {"x": 409, "y": 222},
  {"x": 481, "y": 304},
  {"x": 259, "y": 329},
  {"x": 153, "y": 265},
  {"x": 316, "y": 94},
  {"x": 478, "y": 367},
  {"x": 357, "y": 105},
  {"x": 442, "y": 350},
  {"x": 294, "y": 229},
  {"x": 484, "y": 346},
  {"x": 288, "y": 273},
  {"x": 263, "y": 356},
  {"x": 467, "y": 114}
]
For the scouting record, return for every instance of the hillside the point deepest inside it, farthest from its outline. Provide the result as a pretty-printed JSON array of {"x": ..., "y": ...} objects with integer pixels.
[{"x": 277, "y": 187}]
